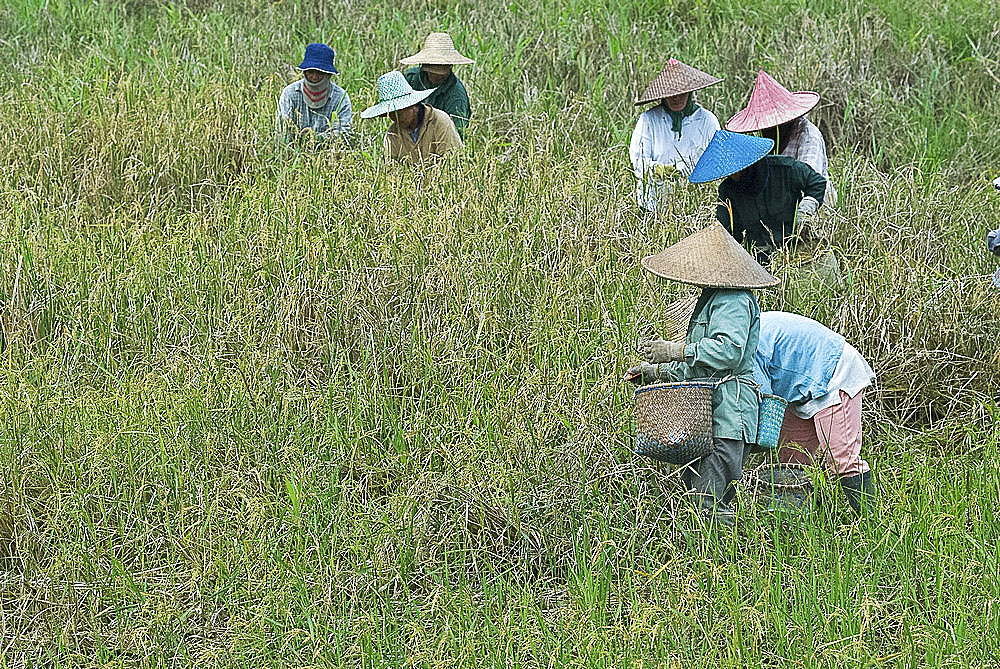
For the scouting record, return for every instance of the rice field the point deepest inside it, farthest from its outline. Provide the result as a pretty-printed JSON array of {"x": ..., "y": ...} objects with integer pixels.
[{"x": 262, "y": 407}]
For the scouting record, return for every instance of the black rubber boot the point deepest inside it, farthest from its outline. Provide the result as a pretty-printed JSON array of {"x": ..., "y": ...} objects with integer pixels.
[{"x": 860, "y": 492}]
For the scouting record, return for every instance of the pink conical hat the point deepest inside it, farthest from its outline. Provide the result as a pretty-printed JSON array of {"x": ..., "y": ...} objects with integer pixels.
[{"x": 771, "y": 104}]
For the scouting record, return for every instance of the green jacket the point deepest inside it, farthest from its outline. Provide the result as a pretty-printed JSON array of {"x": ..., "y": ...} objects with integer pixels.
[
  {"x": 772, "y": 211},
  {"x": 450, "y": 97},
  {"x": 721, "y": 343}
]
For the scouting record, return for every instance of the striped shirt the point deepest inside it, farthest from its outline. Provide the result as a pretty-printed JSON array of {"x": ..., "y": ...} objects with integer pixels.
[
  {"x": 328, "y": 122},
  {"x": 806, "y": 144}
]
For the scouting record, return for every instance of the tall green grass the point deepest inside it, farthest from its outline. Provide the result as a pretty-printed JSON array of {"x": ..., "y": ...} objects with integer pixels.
[{"x": 271, "y": 408}]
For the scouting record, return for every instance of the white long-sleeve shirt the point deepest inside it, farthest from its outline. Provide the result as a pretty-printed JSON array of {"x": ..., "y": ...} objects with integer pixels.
[
  {"x": 655, "y": 143},
  {"x": 806, "y": 144}
]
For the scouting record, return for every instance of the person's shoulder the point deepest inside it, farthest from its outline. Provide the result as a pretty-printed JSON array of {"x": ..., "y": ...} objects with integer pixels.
[
  {"x": 808, "y": 127},
  {"x": 291, "y": 90},
  {"x": 654, "y": 112},
  {"x": 460, "y": 86},
  {"x": 782, "y": 161},
  {"x": 734, "y": 295},
  {"x": 336, "y": 92},
  {"x": 437, "y": 115},
  {"x": 702, "y": 114}
]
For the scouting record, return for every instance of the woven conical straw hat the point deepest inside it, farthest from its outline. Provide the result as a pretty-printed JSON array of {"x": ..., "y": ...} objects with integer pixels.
[
  {"x": 676, "y": 78},
  {"x": 710, "y": 258},
  {"x": 771, "y": 104},
  {"x": 438, "y": 50}
]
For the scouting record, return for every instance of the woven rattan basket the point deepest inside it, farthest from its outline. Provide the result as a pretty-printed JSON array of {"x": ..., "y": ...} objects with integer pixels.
[
  {"x": 673, "y": 421},
  {"x": 769, "y": 421}
]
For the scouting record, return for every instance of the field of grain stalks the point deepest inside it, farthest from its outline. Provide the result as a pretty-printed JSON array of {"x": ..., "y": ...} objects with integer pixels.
[{"x": 268, "y": 408}]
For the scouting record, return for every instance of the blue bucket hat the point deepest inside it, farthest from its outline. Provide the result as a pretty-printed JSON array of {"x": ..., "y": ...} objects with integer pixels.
[
  {"x": 996, "y": 278},
  {"x": 318, "y": 57},
  {"x": 728, "y": 153}
]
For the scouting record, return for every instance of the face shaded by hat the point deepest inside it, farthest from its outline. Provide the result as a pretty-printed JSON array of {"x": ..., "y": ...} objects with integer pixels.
[
  {"x": 675, "y": 79},
  {"x": 771, "y": 104},
  {"x": 710, "y": 258},
  {"x": 394, "y": 94}
]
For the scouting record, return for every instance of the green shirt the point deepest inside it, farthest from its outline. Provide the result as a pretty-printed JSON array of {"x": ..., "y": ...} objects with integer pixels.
[
  {"x": 450, "y": 97},
  {"x": 772, "y": 211},
  {"x": 721, "y": 343}
]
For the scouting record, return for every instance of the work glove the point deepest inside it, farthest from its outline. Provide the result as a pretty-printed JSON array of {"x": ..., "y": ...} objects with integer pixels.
[
  {"x": 993, "y": 241},
  {"x": 664, "y": 172},
  {"x": 808, "y": 206},
  {"x": 642, "y": 374},
  {"x": 660, "y": 350}
]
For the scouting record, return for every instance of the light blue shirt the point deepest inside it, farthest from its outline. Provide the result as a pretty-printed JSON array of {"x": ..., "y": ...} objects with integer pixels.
[
  {"x": 993, "y": 241},
  {"x": 806, "y": 363}
]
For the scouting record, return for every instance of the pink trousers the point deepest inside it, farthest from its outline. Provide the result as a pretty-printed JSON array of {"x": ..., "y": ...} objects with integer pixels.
[{"x": 832, "y": 438}]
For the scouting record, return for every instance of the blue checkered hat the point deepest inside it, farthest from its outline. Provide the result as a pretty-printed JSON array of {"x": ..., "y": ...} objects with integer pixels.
[
  {"x": 996, "y": 278},
  {"x": 394, "y": 93},
  {"x": 728, "y": 153}
]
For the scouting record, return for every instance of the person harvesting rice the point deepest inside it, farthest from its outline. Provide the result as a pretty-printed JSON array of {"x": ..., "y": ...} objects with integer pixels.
[
  {"x": 824, "y": 379},
  {"x": 720, "y": 345},
  {"x": 418, "y": 131},
  {"x": 778, "y": 114},
  {"x": 670, "y": 137},
  {"x": 435, "y": 71},
  {"x": 314, "y": 109},
  {"x": 760, "y": 195}
]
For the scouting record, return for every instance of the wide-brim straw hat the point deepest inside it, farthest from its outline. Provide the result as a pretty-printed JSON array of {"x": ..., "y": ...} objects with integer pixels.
[
  {"x": 394, "y": 93},
  {"x": 771, "y": 104},
  {"x": 438, "y": 50},
  {"x": 676, "y": 78},
  {"x": 728, "y": 153},
  {"x": 710, "y": 258}
]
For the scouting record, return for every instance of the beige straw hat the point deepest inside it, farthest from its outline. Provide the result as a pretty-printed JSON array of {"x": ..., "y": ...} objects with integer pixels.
[
  {"x": 676, "y": 78},
  {"x": 710, "y": 258},
  {"x": 438, "y": 50}
]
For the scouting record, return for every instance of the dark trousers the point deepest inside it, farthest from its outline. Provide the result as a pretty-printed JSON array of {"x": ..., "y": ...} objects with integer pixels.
[{"x": 714, "y": 476}]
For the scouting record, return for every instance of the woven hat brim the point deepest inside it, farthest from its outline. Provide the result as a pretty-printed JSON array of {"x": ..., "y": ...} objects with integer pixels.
[
  {"x": 402, "y": 102},
  {"x": 705, "y": 170},
  {"x": 710, "y": 258},
  {"x": 303, "y": 66},
  {"x": 996, "y": 278},
  {"x": 425, "y": 57},
  {"x": 654, "y": 93},
  {"x": 750, "y": 120}
]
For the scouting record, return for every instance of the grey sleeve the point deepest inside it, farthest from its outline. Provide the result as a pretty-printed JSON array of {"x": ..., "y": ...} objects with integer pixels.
[
  {"x": 285, "y": 127},
  {"x": 993, "y": 241},
  {"x": 344, "y": 114}
]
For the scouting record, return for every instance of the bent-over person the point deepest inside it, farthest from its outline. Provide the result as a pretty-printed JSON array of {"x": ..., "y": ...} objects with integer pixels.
[
  {"x": 824, "y": 379},
  {"x": 720, "y": 345},
  {"x": 418, "y": 131}
]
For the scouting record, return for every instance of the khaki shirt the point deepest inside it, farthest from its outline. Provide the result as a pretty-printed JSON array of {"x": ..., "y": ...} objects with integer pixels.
[{"x": 437, "y": 137}]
